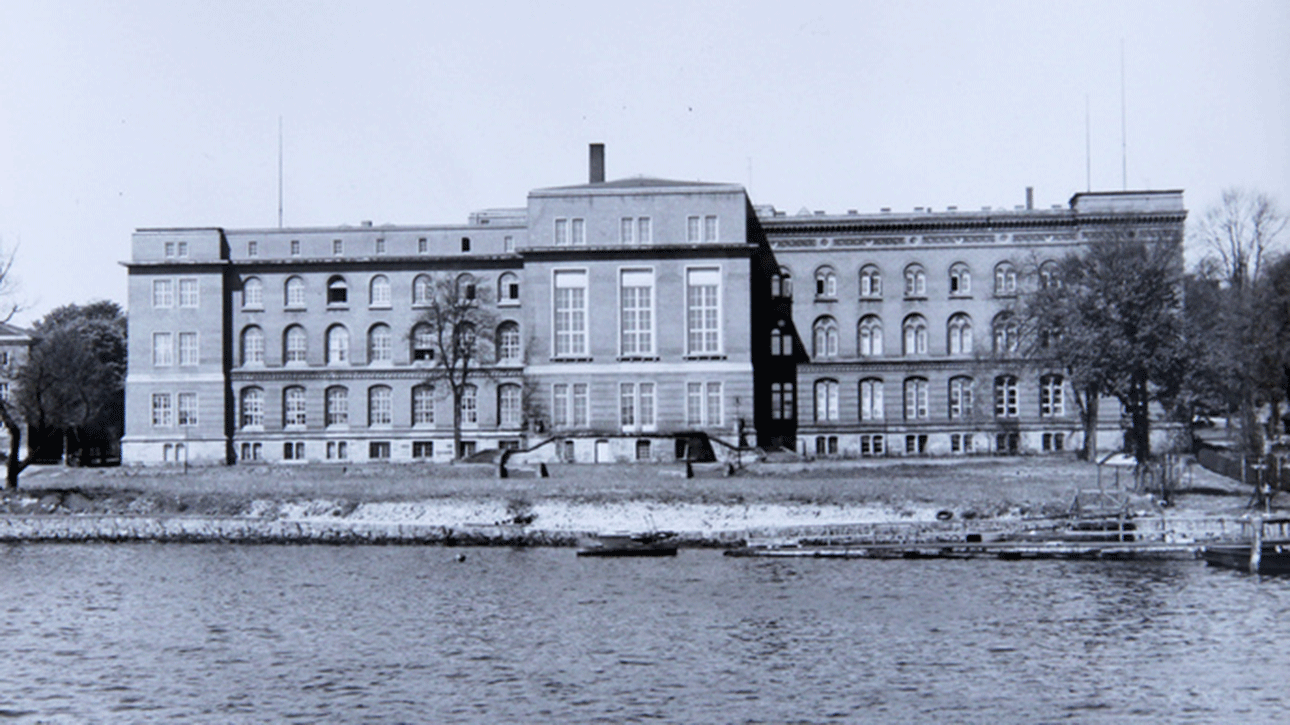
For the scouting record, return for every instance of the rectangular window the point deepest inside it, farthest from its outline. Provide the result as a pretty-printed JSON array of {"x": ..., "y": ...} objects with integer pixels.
[
  {"x": 294, "y": 411},
  {"x": 916, "y": 399},
  {"x": 560, "y": 405},
  {"x": 423, "y": 245},
  {"x": 423, "y": 449},
  {"x": 578, "y": 232},
  {"x": 580, "y": 407},
  {"x": 692, "y": 229},
  {"x": 508, "y": 244},
  {"x": 636, "y": 406},
  {"x": 470, "y": 405},
  {"x": 465, "y": 244},
  {"x": 710, "y": 228},
  {"x": 163, "y": 293},
  {"x": 712, "y": 406},
  {"x": 378, "y": 450},
  {"x": 170, "y": 249},
  {"x": 570, "y": 313},
  {"x": 626, "y": 230},
  {"x": 187, "y": 408},
  {"x": 871, "y": 445},
  {"x": 380, "y": 406},
  {"x": 188, "y": 292},
  {"x": 337, "y": 450},
  {"x": 915, "y": 444},
  {"x": 561, "y": 232},
  {"x": 703, "y": 311},
  {"x": 338, "y": 247},
  {"x": 337, "y": 406},
  {"x": 782, "y": 403},
  {"x": 163, "y": 347},
  {"x": 252, "y": 249},
  {"x": 161, "y": 411},
  {"x": 643, "y": 449},
  {"x": 293, "y": 451},
  {"x": 295, "y": 247},
  {"x": 188, "y": 348},
  {"x": 644, "y": 230},
  {"x": 871, "y": 400},
  {"x": 380, "y": 249},
  {"x": 509, "y": 406},
  {"x": 627, "y": 406},
  {"x": 423, "y": 405},
  {"x": 637, "y": 315},
  {"x": 694, "y": 403}
]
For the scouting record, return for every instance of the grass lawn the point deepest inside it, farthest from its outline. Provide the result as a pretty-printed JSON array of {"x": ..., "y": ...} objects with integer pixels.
[{"x": 987, "y": 486}]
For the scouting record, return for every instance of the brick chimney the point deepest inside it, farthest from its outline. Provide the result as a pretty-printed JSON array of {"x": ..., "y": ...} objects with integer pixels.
[{"x": 597, "y": 164}]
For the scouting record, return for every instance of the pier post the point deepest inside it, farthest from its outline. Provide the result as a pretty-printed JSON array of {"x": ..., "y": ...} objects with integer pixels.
[{"x": 1256, "y": 543}]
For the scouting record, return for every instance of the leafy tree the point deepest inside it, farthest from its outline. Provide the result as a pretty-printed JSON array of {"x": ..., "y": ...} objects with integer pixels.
[
  {"x": 1111, "y": 316},
  {"x": 73, "y": 382},
  {"x": 460, "y": 323},
  {"x": 1235, "y": 337}
]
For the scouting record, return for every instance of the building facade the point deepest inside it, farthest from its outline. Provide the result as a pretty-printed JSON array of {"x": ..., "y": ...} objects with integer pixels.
[{"x": 630, "y": 317}]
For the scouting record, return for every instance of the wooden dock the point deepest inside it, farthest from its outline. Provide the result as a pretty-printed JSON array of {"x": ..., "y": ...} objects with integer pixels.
[{"x": 1008, "y": 550}]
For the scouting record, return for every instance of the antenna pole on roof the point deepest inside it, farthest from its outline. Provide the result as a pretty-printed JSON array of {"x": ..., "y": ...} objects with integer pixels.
[
  {"x": 1124, "y": 138},
  {"x": 1088, "y": 149},
  {"x": 279, "y": 172}
]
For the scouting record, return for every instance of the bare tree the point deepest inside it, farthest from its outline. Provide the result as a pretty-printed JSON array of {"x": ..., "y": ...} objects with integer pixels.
[
  {"x": 459, "y": 324},
  {"x": 1242, "y": 235}
]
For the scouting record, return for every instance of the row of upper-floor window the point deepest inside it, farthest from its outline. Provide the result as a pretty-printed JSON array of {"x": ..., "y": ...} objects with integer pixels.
[
  {"x": 959, "y": 278},
  {"x": 915, "y": 398},
  {"x": 914, "y": 339},
  {"x": 422, "y": 403},
  {"x": 380, "y": 291},
  {"x": 699, "y": 228},
  {"x": 423, "y": 344},
  {"x": 378, "y": 246}
]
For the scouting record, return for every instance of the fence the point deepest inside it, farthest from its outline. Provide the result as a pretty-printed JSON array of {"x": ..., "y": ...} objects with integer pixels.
[{"x": 1271, "y": 470}]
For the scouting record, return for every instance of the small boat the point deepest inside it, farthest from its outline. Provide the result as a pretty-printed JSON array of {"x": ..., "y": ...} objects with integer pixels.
[
  {"x": 1266, "y": 549},
  {"x": 651, "y": 543}
]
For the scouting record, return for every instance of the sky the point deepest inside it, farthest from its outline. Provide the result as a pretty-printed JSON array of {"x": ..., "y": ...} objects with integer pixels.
[{"x": 123, "y": 115}]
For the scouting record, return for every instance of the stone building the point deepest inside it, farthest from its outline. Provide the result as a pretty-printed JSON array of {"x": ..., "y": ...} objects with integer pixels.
[{"x": 633, "y": 317}]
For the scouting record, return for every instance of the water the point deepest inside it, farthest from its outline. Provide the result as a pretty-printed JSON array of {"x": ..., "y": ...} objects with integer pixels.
[{"x": 211, "y": 633}]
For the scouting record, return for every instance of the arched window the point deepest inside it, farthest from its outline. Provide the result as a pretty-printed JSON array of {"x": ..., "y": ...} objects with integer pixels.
[
  {"x": 337, "y": 403},
  {"x": 293, "y": 292},
  {"x": 337, "y": 291},
  {"x": 423, "y": 343},
  {"x": 294, "y": 407},
  {"x": 915, "y": 335},
  {"x": 337, "y": 345},
  {"x": 825, "y": 332},
  {"x": 253, "y": 293},
  {"x": 1005, "y": 279},
  {"x": 960, "y": 398},
  {"x": 380, "y": 405},
  {"x": 869, "y": 336},
  {"x": 826, "y": 400},
  {"x": 781, "y": 284},
  {"x": 508, "y": 289},
  {"x": 423, "y": 405},
  {"x": 915, "y": 281},
  {"x": 379, "y": 294},
  {"x": 470, "y": 405},
  {"x": 1005, "y": 396},
  {"x": 826, "y": 283},
  {"x": 509, "y": 408},
  {"x": 252, "y": 346},
  {"x": 422, "y": 290},
  {"x": 295, "y": 345},
  {"x": 252, "y": 408},
  {"x": 508, "y": 342},
  {"x": 1052, "y": 403},
  {"x": 1007, "y": 334},
  {"x": 960, "y": 279},
  {"x": 870, "y": 281},
  {"x": 466, "y": 287},
  {"x": 1049, "y": 275},
  {"x": 960, "y": 334},
  {"x": 781, "y": 341},
  {"x": 916, "y": 399},
  {"x": 871, "y": 406},
  {"x": 380, "y": 344}
]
